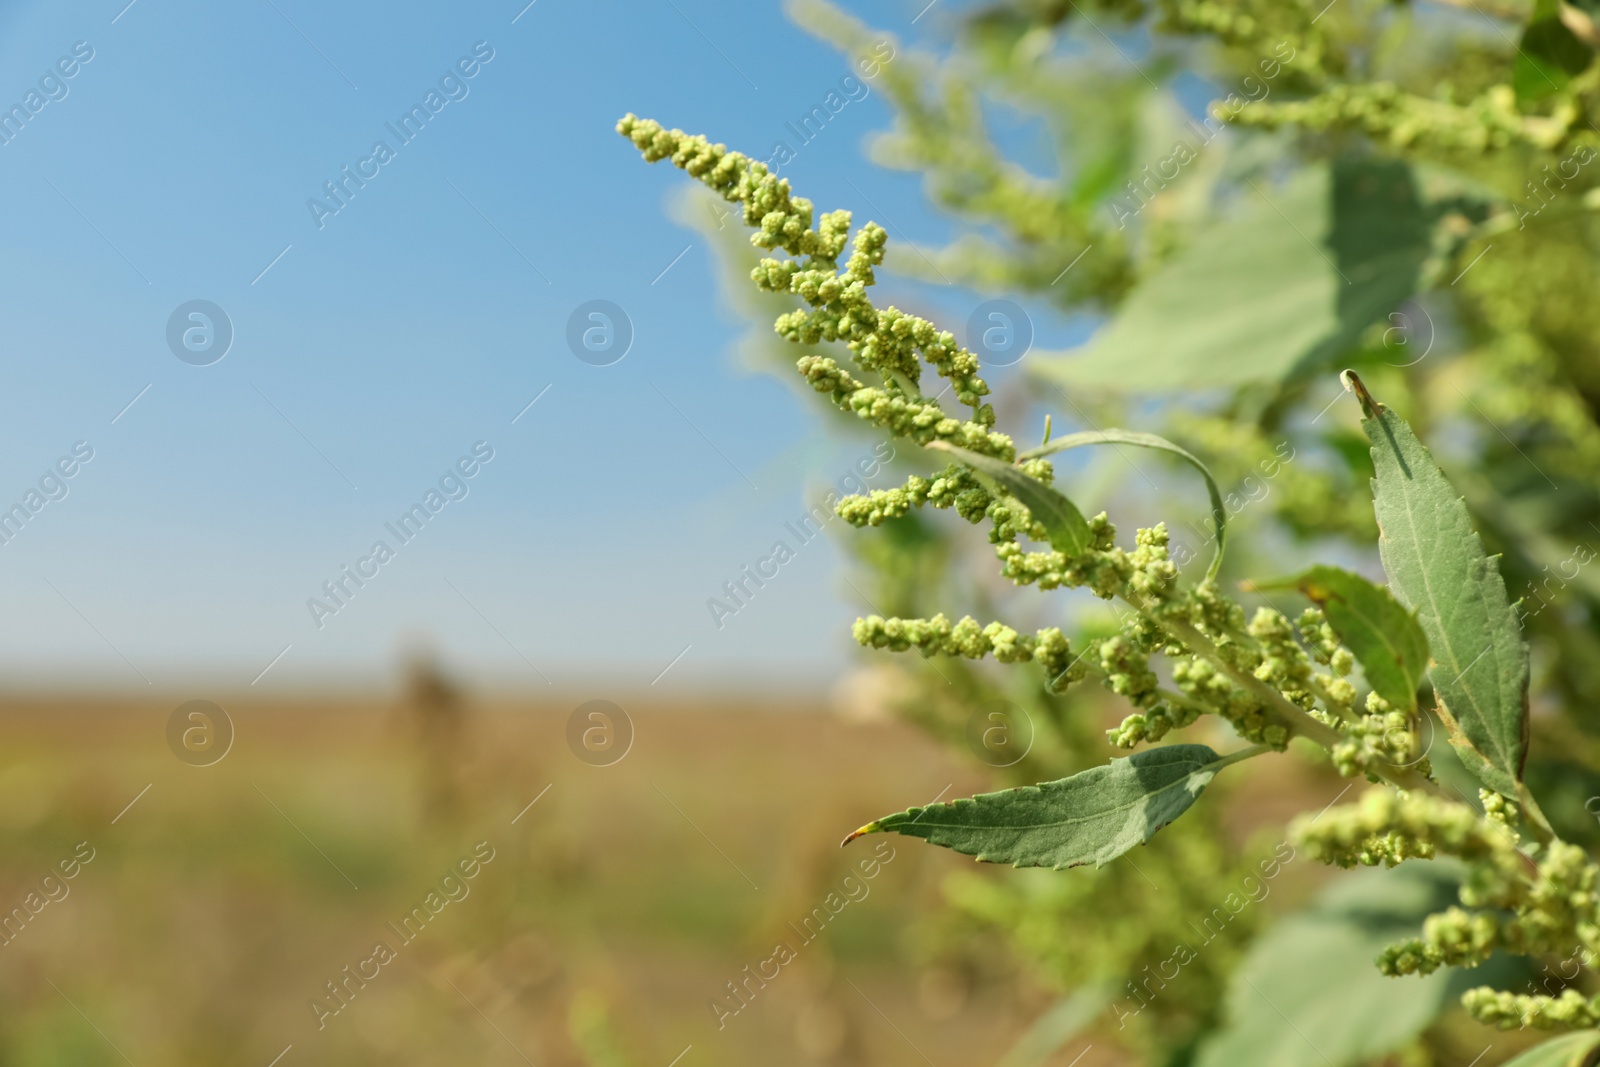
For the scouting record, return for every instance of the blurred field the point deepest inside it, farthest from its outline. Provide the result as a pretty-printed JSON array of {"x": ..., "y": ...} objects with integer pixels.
[{"x": 226, "y": 897}]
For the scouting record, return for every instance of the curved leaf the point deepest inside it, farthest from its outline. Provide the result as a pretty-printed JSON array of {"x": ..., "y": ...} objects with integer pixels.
[
  {"x": 1570, "y": 1050},
  {"x": 1308, "y": 995},
  {"x": 1382, "y": 633},
  {"x": 1219, "y": 514},
  {"x": 1436, "y": 564},
  {"x": 1069, "y": 532},
  {"x": 1091, "y": 817}
]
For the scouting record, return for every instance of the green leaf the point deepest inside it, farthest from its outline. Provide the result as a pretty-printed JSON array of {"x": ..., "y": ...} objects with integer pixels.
[
  {"x": 1570, "y": 1050},
  {"x": 1283, "y": 286},
  {"x": 1219, "y": 514},
  {"x": 1380, "y": 237},
  {"x": 1068, "y": 531},
  {"x": 1548, "y": 56},
  {"x": 1436, "y": 565},
  {"x": 1092, "y": 817},
  {"x": 1308, "y": 992},
  {"x": 1382, "y": 633}
]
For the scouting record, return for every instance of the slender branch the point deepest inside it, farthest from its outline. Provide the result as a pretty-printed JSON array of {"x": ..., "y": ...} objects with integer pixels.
[
  {"x": 1243, "y": 754},
  {"x": 1292, "y": 718},
  {"x": 1183, "y": 700},
  {"x": 1322, "y": 694}
]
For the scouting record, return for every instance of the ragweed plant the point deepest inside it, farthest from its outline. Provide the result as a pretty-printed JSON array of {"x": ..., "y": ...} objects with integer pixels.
[{"x": 1444, "y": 623}]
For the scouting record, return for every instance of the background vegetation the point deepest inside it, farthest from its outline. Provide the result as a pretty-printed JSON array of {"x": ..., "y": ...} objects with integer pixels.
[{"x": 1245, "y": 198}]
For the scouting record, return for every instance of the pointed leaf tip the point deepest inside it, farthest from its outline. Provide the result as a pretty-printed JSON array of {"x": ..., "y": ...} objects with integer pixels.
[
  {"x": 1089, "y": 818},
  {"x": 1437, "y": 566},
  {"x": 1352, "y": 384},
  {"x": 870, "y": 828}
]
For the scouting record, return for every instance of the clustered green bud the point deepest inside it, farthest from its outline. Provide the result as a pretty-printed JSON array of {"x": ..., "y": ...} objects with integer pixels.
[
  {"x": 938, "y": 636},
  {"x": 1386, "y": 112},
  {"x": 1257, "y": 675},
  {"x": 922, "y": 421},
  {"x": 1516, "y": 897},
  {"x": 1500, "y": 812},
  {"x": 1319, "y": 636},
  {"x": 1513, "y": 899},
  {"x": 1282, "y": 661},
  {"x": 954, "y": 487},
  {"x": 1104, "y": 569},
  {"x": 826, "y": 376},
  {"x": 1387, "y": 827},
  {"x": 1571, "y": 1010},
  {"x": 1151, "y": 725},
  {"x": 781, "y": 220},
  {"x": 1383, "y": 736},
  {"x": 890, "y": 342}
]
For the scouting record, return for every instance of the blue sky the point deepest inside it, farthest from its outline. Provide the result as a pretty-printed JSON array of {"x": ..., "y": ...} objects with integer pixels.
[{"x": 371, "y": 352}]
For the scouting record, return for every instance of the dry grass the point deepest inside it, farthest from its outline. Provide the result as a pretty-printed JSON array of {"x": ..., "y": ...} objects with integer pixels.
[{"x": 614, "y": 910}]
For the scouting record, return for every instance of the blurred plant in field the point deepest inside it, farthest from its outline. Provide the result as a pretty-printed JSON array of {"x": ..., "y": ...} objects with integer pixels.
[
  {"x": 1401, "y": 189},
  {"x": 433, "y": 712}
]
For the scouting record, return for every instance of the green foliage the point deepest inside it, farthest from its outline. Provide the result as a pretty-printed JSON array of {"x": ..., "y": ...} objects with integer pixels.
[
  {"x": 1291, "y": 971},
  {"x": 1288, "y": 282},
  {"x": 1176, "y": 885},
  {"x": 1423, "y": 213},
  {"x": 1380, "y": 234},
  {"x": 1438, "y": 567},
  {"x": 1092, "y": 817},
  {"x": 1064, "y": 524},
  {"x": 1247, "y": 300},
  {"x": 1549, "y": 54},
  {"x": 1573, "y": 1050},
  {"x": 1382, "y": 634},
  {"x": 1219, "y": 513}
]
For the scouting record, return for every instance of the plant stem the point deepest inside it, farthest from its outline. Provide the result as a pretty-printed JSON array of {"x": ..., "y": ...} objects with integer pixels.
[
  {"x": 1322, "y": 694},
  {"x": 1292, "y": 718},
  {"x": 1183, "y": 700},
  {"x": 1242, "y": 755}
]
